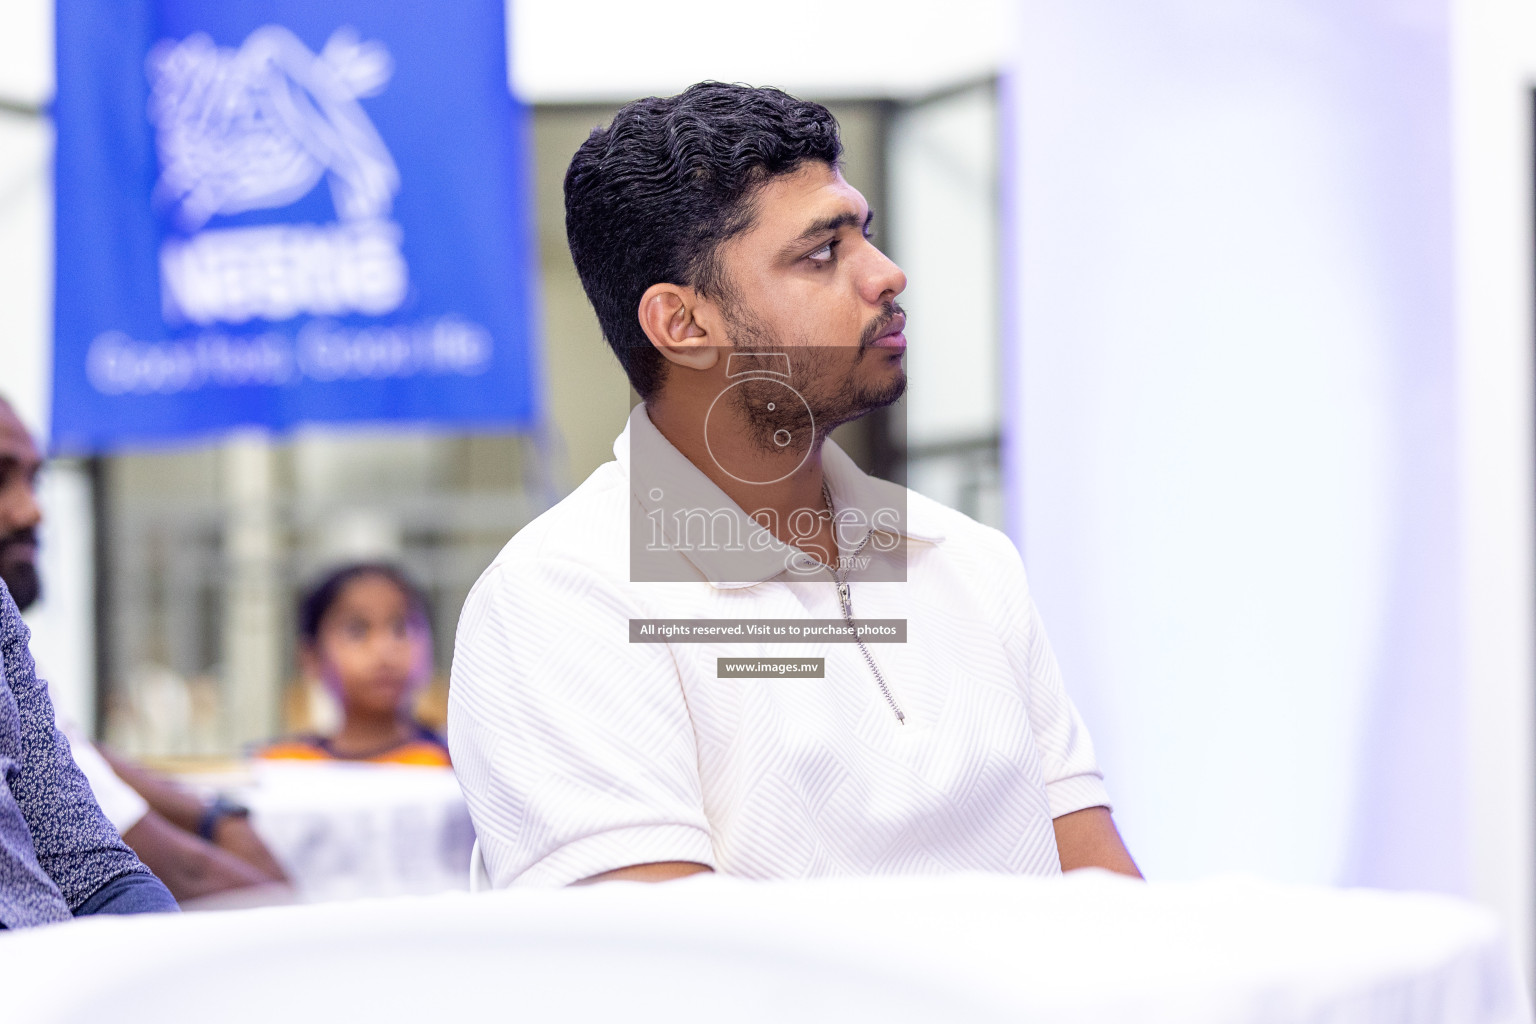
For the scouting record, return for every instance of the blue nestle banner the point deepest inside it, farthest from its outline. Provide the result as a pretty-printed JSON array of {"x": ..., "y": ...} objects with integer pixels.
[{"x": 286, "y": 211}]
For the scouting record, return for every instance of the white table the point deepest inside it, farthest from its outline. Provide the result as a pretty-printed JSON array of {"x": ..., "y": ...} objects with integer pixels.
[
  {"x": 343, "y": 831},
  {"x": 1087, "y": 948}
]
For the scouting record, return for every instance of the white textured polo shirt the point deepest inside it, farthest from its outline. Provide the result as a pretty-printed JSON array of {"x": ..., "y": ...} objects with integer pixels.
[{"x": 580, "y": 752}]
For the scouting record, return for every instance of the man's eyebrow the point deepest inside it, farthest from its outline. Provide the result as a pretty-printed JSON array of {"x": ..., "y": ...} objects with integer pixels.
[{"x": 836, "y": 222}]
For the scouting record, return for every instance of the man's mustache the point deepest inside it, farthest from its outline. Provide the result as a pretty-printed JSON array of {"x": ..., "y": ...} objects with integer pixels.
[
  {"x": 876, "y": 327},
  {"x": 26, "y": 536}
]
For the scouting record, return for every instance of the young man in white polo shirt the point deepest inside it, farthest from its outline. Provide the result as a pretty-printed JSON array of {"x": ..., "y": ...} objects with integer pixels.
[{"x": 730, "y": 649}]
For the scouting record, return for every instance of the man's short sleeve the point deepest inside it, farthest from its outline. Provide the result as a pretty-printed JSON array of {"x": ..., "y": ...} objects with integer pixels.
[
  {"x": 1073, "y": 780},
  {"x": 574, "y": 747}
]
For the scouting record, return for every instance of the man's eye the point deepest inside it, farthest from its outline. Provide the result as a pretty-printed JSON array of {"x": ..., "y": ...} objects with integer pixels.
[{"x": 822, "y": 255}]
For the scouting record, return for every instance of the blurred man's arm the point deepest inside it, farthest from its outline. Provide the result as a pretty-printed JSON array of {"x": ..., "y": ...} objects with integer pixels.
[
  {"x": 181, "y": 809},
  {"x": 189, "y": 867},
  {"x": 666, "y": 871},
  {"x": 1088, "y": 839}
]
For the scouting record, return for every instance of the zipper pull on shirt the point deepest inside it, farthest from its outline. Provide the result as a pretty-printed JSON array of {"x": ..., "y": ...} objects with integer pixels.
[{"x": 845, "y": 598}]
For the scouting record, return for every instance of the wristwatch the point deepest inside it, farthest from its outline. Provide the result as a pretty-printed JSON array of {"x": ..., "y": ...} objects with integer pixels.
[{"x": 220, "y": 808}]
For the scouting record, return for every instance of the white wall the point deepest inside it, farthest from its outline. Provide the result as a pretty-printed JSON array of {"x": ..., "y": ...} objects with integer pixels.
[{"x": 616, "y": 50}]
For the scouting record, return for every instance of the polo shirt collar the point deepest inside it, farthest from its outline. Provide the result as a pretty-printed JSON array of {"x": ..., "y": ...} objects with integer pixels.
[{"x": 662, "y": 478}]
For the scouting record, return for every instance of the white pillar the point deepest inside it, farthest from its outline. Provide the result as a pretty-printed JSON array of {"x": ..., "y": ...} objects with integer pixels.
[
  {"x": 1236, "y": 417},
  {"x": 1494, "y": 68},
  {"x": 253, "y": 615}
]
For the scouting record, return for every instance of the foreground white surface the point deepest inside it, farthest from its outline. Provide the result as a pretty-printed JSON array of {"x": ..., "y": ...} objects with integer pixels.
[{"x": 1087, "y": 947}]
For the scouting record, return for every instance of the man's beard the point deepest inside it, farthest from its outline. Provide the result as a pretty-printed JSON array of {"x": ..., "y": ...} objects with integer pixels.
[
  {"x": 19, "y": 571},
  {"x": 826, "y": 377}
]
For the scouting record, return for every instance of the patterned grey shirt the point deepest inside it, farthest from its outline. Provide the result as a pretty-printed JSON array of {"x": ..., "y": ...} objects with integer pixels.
[{"x": 56, "y": 847}]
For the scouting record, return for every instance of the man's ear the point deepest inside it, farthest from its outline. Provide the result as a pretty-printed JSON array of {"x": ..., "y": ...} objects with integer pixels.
[{"x": 669, "y": 317}]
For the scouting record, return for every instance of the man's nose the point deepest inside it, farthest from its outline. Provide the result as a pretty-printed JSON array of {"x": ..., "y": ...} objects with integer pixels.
[
  {"x": 392, "y": 648},
  {"x": 883, "y": 280},
  {"x": 19, "y": 510}
]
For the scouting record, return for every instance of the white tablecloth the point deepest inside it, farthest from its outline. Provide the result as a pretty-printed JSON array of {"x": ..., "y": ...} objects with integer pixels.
[
  {"x": 342, "y": 830},
  {"x": 1087, "y": 948}
]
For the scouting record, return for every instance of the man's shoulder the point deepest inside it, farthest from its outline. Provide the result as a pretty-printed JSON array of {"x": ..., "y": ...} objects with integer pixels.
[
  {"x": 981, "y": 559},
  {"x": 956, "y": 532},
  {"x": 587, "y": 528},
  {"x": 951, "y": 532}
]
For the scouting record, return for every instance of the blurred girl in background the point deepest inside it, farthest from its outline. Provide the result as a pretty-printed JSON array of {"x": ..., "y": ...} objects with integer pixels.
[{"x": 363, "y": 631}]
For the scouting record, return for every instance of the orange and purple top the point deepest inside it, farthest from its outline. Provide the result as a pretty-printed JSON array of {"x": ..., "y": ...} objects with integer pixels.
[{"x": 424, "y": 747}]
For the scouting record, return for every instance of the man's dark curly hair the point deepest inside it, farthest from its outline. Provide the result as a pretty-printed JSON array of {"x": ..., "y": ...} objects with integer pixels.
[{"x": 651, "y": 197}]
